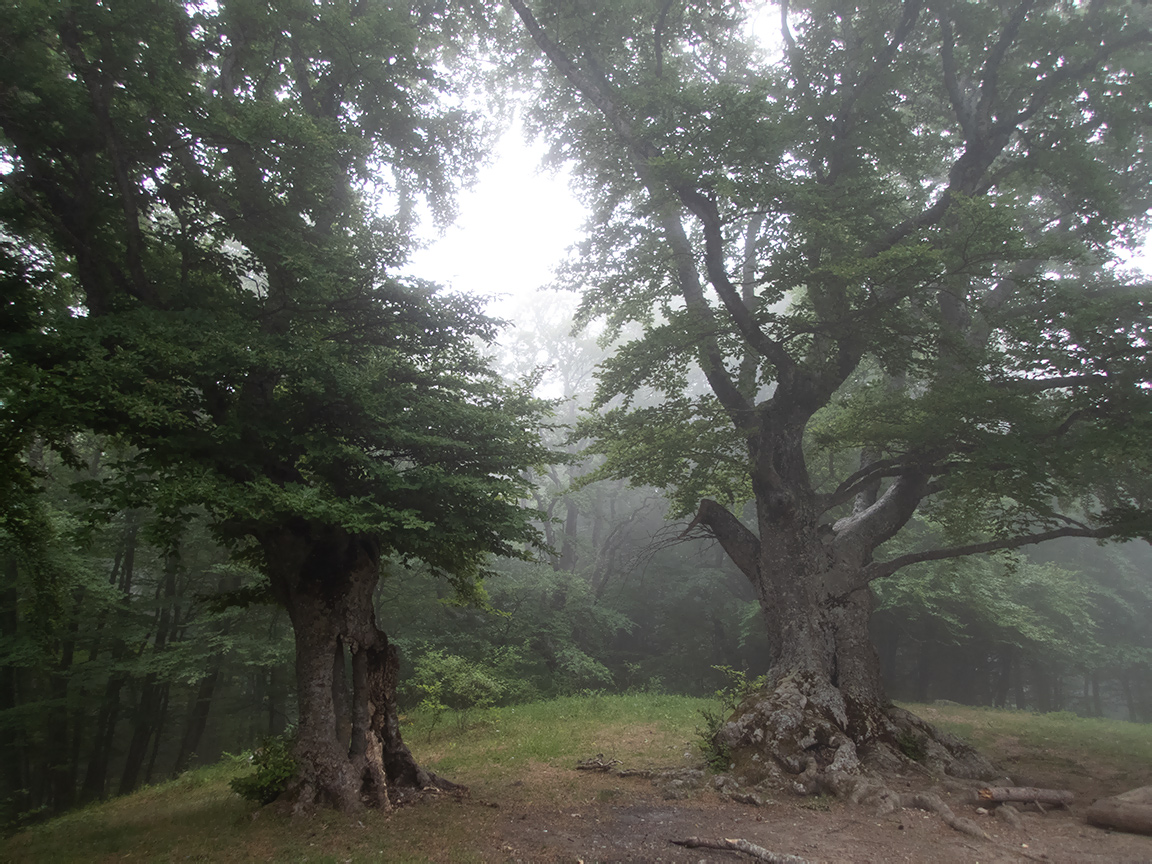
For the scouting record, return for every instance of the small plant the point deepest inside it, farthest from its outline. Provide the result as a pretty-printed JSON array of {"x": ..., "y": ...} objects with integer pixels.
[
  {"x": 275, "y": 768},
  {"x": 820, "y": 803},
  {"x": 717, "y": 755},
  {"x": 913, "y": 745}
]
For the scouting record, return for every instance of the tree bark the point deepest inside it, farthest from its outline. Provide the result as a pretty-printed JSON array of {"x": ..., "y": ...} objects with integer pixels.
[
  {"x": 348, "y": 748},
  {"x": 1131, "y": 811},
  {"x": 824, "y": 710}
]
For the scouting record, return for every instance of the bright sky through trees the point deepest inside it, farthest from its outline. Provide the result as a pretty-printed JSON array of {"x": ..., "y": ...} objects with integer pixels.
[{"x": 514, "y": 227}]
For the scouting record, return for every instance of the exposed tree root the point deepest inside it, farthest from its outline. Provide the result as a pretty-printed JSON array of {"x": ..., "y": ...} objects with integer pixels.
[
  {"x": 804, "y": 735},
  {"x": 805, "y": 728},
  {"x": 757, "y": 852}
]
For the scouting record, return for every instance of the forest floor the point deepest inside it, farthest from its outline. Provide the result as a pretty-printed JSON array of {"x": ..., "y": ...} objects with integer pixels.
[{"x": 528, "y": 803}]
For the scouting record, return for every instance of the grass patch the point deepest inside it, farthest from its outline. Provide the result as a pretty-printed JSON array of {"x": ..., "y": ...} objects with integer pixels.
[
  {"x": 637, "y": 729},
  {"x": 1047, "y": 744},
  {"x": 527, "y": 752},
  {"x": 1108, "y": 740},
  {"x": 515, "y": 756}
]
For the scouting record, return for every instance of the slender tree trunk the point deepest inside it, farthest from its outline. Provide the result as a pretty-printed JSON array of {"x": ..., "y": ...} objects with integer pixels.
[
  {"x": 152, "y": 692},
  {"x": 568, "y": 550},
  {"x": 922, "y": 680},
  {"x": 96, "y": 776},
  {"x": 197, "y": 718},
  {"x": 1042, "y": 687},
  {"x": 1004, "y": 681},
  {"x": 12, "y": 745},
  {"x": 277, "y": 694},
  {"x": 161, "y": 721},
  {"x": 1129, "y": 701}
]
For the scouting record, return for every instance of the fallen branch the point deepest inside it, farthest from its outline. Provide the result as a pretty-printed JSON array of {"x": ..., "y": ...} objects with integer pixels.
[
  {"x": 1026, "y": 795},
  {"x": 596, "y": 763},
  {"x": 757, "y": 852}
]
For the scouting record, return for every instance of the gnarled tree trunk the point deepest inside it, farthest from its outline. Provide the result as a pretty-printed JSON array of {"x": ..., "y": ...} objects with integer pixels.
[
  {"x": 349, "y": 748},
  {"x": 824, "y": 711}
]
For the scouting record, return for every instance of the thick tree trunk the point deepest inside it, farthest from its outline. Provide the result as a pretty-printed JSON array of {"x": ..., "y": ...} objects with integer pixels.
[
  {"x": 824, "y": 712},
  {"x": 348, "y": 747}
]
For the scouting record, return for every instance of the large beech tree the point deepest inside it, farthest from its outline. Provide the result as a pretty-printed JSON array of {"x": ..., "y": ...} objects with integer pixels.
[
  {"x": 196, "y": 262},
  {"x": 887, "y": 235}
]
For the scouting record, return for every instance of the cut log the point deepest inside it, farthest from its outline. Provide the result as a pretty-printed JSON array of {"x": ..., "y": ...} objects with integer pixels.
[
  {"x": 1130, "y": 812},
  {"x": 1027, "y": 795}
]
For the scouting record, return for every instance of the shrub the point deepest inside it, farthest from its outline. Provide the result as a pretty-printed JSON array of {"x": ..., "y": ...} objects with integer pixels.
[
  {"x": 275, "y": 768},
  {"x": 717, "y": 755},
  {"x": 444, "y": 682}
]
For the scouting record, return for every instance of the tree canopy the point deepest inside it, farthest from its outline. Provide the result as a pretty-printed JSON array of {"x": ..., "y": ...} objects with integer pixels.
[
  {"x": 890, "y": 239},
  {"x": 203, "y": 210}
]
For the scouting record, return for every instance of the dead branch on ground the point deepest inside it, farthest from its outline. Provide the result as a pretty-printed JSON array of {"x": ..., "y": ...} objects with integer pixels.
[{"x": 757, "y": 852}]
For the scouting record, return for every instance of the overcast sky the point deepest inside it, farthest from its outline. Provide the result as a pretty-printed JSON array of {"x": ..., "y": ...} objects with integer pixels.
[{"x": 514, "y": 227}]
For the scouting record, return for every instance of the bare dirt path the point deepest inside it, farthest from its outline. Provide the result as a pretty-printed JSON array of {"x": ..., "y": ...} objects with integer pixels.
[{"x": 606, "y": 818}]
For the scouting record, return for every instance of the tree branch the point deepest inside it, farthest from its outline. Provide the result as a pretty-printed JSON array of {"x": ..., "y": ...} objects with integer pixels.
[
  {"x": 758, "y": 853},
  {"x": 880, "y": 569},
  {"x": 587, "y": 88},
  {"x": 97, "y": 85},
  {"x": 595, "y": 89},
  {"x": 891, "y": 512},
  {"x": 737, "y": 540},
  {"x": 1039, "y": 385},
  {"x": 867, "y": 475},
  {"x": 704, "y": 209}
]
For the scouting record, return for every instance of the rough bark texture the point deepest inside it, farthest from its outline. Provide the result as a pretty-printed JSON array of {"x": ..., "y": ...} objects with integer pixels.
[
  {"x": 824, "y": 713},
  {"x": 349, "y": 748}
]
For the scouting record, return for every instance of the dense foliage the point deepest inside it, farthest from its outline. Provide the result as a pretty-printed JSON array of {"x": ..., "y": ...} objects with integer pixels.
[
  {"x": 202, "y": 211},
  {"x": 862, "y": 291}
]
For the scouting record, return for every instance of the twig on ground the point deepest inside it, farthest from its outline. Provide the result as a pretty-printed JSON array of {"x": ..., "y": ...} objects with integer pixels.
[
  {"x": 596, "y": 763},
  {"x": 757, "y": 852}
]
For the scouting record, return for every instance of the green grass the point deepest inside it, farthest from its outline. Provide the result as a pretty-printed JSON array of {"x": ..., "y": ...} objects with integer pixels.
[
  {"x": 985, "y": 728},
  {"x": 1050, "y": 749},
  {"x": 521, "y": 756},
  {"x": 632, "y": 728},
  {"x": 198, "y": 818}
]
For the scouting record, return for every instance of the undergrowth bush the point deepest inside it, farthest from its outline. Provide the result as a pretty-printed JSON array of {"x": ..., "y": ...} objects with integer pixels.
[
  {"x": 445, "y": 682},
  {"x": 716, "y": 754},
  {"x": 275, "y": 767}
]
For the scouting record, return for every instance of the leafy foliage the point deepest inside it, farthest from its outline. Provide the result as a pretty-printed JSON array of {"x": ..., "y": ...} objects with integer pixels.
[
  {"x": 275, "y": 768},
  {"x": 738, "y": 687}
]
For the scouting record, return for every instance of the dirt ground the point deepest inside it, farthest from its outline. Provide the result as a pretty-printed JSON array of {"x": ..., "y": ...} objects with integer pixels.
[{"x": 632, "y": 819}]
